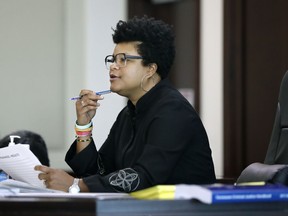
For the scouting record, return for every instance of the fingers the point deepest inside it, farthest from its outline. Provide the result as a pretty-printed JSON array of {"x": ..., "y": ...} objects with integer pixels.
[
  {"x": 86, "y": 106},
  {"x": 88, "y": 94},
  {"x": 85, "y": 113},
  {"x": 88, "y": 103},
  {"x": 56, "y": 179},
  {"x": 47, "y": 175},
  {"x": 44, "y": 176},
  {"x": 42, "y": 168}
]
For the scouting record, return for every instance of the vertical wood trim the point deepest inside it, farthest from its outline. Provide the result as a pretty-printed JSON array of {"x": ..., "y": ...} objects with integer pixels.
[
  {"x": 197, "y": 75},
  {"x": 233, "y": 88}
]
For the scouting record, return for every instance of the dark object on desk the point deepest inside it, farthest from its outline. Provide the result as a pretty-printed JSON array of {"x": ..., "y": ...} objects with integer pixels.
[{"x": 275, "y": 167}]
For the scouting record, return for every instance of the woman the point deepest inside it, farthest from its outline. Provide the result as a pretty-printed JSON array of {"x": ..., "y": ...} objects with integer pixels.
[{"x": 158, "y": 138}]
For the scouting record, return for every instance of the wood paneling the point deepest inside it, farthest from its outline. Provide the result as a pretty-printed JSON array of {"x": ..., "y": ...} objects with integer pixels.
[
  {"x": 255, "y": 59},
  {"x": 184, "y": 17}
]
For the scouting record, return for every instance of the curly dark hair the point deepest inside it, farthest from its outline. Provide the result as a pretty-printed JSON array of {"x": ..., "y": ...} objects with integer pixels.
[{"x": 156, "y": 37}]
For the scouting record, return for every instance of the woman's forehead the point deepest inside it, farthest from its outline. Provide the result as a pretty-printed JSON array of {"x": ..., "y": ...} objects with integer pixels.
[{"x": 126, "y": 47}]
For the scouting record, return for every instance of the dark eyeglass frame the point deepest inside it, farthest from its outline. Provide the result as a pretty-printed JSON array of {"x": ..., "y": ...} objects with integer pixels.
[{"x": 112, "y": 60}]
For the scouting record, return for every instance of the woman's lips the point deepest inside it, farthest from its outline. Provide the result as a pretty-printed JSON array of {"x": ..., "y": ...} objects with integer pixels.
[{"x": 113, "y": 77}]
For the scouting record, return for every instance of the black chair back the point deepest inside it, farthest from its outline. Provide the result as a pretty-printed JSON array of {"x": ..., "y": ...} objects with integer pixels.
[
  {"x": 277, "y": 152},
  {"x": 275, "y": 166}
]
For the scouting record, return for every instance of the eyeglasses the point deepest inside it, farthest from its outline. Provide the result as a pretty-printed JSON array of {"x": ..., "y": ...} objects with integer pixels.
[{"x": 120, "y": 59}]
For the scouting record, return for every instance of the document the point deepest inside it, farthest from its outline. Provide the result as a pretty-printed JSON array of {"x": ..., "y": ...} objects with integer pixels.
[
  {"x": 18, "y": 162},
  {"x": 8, "y": 191},
  {"x": 13, "y": 188},
  {"x": 22, "y": 187}
]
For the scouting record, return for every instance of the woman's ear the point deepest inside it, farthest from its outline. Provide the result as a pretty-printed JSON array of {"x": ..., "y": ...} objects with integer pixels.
[{"x": 152, "y": 68}]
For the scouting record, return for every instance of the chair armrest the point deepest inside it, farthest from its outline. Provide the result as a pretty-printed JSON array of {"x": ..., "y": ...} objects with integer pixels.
[{"x": 276, "y": 173}]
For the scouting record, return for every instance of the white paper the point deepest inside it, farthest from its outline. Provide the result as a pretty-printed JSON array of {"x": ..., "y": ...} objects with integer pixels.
[
  {"x": 21, "y": 189},
  {"x": 25, "y": 187},
  {"x": 18, "y": 162}
]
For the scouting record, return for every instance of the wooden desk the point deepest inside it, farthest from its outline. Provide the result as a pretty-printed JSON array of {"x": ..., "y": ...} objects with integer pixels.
[
  {"x": 186, "y": 207},
  {"x": 129, "y": 207},
  {"x": 47, "y": 206}
]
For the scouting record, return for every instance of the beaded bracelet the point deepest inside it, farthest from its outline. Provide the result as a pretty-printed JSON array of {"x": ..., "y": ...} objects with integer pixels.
[
  {"x": 85, "y": 140},
  {"x": 79, "y": 136}
]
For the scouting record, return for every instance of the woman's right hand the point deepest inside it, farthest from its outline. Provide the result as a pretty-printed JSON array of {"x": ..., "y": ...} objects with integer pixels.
[{"x": 86, "y": 106}]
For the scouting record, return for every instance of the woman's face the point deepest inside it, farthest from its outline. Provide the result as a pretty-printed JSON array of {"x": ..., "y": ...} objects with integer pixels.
[{"x": 126, "y": 81}]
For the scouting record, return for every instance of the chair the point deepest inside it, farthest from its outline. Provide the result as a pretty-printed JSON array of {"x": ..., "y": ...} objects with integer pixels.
[{"x": 275, "y": 166}]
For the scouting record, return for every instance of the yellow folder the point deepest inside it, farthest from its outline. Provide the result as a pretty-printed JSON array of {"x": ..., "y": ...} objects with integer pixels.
[{"x": 156, "y": 192}]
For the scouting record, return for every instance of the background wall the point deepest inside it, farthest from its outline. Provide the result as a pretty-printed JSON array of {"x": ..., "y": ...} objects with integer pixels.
[
  {"x": 50, "y": 49},
  {"x": 32, "y": 65},
  {"x": 255, "y": 60},
  {"x": 88, "y": 41}
]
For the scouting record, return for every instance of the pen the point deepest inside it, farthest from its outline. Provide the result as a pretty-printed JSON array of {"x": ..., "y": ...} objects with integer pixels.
[{"x": 97, "y": 93}]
